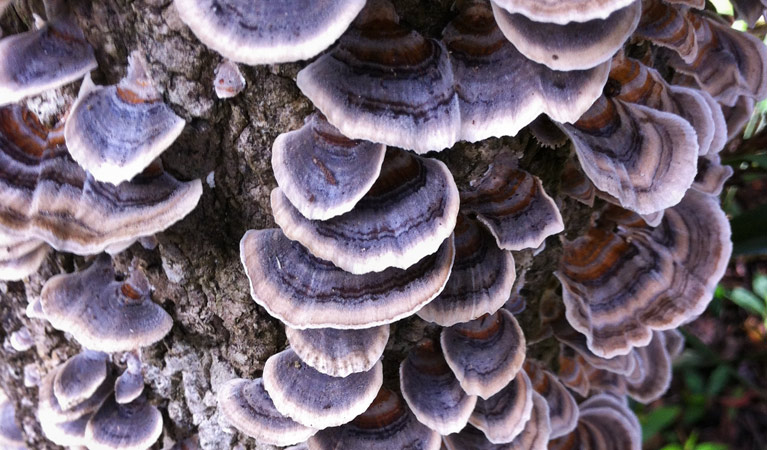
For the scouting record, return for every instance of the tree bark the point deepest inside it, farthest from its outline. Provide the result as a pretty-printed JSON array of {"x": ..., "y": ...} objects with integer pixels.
[{"x": 219, "y": 332}]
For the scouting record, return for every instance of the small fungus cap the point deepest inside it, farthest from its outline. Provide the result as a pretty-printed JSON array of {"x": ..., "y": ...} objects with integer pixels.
[
  {"x": 481, "y": 280},
  {"x": 11, "y": 436},
  {"x": 387, "y": 424},
  {"x": 314, "y": 399},
  {"x": 432, "y": 391},
  {"x": 486, "y": 353},
  {"x": 307, "y": 292},
  {"x": 268, "y": 32},
  {"x": 339, "y": 353},
  {"x": 228, "y": 81},
  {"x": 605, "y": 423},
  {"x": 102, "y": 313},
  {"x": 385, "y": 83},
  {"x": 20, "y": 256},
  {"x": 130, "y": 384},
  {"x": 563, "y": 11},
  {"x": 248, "y": 407},
  {"x": 406, "y": 215},
  {"x": 321, "y": 172},
  {"x": 51, "y": 56},
  {"x": 133, "y": 426},
  {"x": 504, "y": 415},
  {"x": 563, "y": 410},
  {"x": 115, "y": 132},
  {"x": 80, "y": 377}
]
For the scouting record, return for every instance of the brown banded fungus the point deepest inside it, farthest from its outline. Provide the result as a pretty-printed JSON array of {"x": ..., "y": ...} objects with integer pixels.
[
  {"x": 605, "y": 423},
  {"x": 643, "y": 157},
  {"x": 314, "y": 399},
  {"x": 481, "y": 280},
  {"x": 486, "y": 353},
  {"x": 306, "y": 292},
  {"x": 406, "y": 215},
  {"x": 115, "y": 132},
  {"x": 103, "y": 313},
  {"x": 268, "y": 32},
  {"x": 228, "y": 81},
  {"x": 384, "y": 83},
  {"x": 563, "y": 411},
  {"x": 749, "y": 10},
  {"x": 53, "y": 55},
  {"x": 563, "y": 11},
  {"x": 503, "y": 416},
  {"x": 513, "y": 205},
  {"x": 247, "y": 406},
  {"x": 573, "y": 46},
  {"x": 386, "y": 424},
  {"x": 339, "y": 353},
  {"x": 501, "y": 91},
  {"x": 667, "y": 26},
  {"x": 534, "y": 436},
  {"x": 47, "y": 196},
  {"x": 50, "y": 411},
  {"x": 620, "y": 285},
  {"x": 321, "y": 172},
  {"x": 133, "y": 426},
  {"x": 130, "y": 384},
  {"x": 573, "y": 371},
  {"x": 432, "y": 391},
  {"x": 20, "y": 256}
]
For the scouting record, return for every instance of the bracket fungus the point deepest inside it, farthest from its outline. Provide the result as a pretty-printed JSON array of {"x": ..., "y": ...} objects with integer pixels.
[
  {"x": 486, "y": 353},
  {"x": 103, "y": 313},
  {"x": 11, "y": 437},
  {"x": 406, "y": 215},
  {"x": 47, "y": 196},
  {"x": 130, "y": 384},
  {"x": 384, "y": 83},
  {"x": 306, "y": 292},
  {"x": 314, "y": 399},
  {"x": 115, "y": 132},
  {"x": 132, "y": 426},
  {"x": 667, "y": 26},
  {"x": 513, "y": 205},
  {"x": 563, "y": 410},
  {"x": 20, "y": 256},
  {"x": 53, "y": 55},
  {"x": 339, "y": 353},
  {"x": 267, "y": 32},
  {"x": 247, "y": 406},
  {"x": 604, "y": 423},
  {"x": 619, "y": 286},
  {"x": 432, "y": 391},
  {"x": 501, "y": 91},
  {"x": 323, "y": 173},
  {"x": 749, "y": 10},
  {"x": 572, "y": 46},
  {"x": 79, "y": 378},
  {"x": 503, "y": 416},
  {"x": 481, "y": 279},
  {"x": 228, "y": 81},
  {"x": 386, "y": 424},
  {"x": 563, "y": 11}
]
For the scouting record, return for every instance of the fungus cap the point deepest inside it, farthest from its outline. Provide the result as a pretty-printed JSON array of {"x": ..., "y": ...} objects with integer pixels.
[
  {"x": 247, "y": 406},
  {"x": 130, "y": 384},
  {"x": 102, "y": 313},
  {"x": 321, "y": 172},
  {"x": 486, "y": 353},
  {"x": 432, "y": 391},
  {"x": 132, "y": 426},
  {"x": 384, "y": 83},
  {"x": 228, "y": 81},
  {"x": 49, "y": 409},
  {"x": 266, "y": 32},
  {"x": 386, "y": 424},
  {"x": 79, "y": 378},
  {"x": 481, "y": 280},
  {"x": 605, "y": 423},
  {"x": 563, "y": 11},
  {"x": 11, "y": 436},
  {"x": 339, "y": 353},
  {"x": 513, "y": 205},
  {"x": 314, "y": 399},
  {"x": 115, "y": 132},
  {"x": 503, "y": 416},
  {"x": 20, "y": 256},
  {"x": 563, "y": 410}
]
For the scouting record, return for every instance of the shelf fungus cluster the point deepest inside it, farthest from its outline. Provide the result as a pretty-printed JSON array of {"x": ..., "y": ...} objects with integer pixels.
[
  {"x": 83, "y": 403},
  {"x": 634, "y": 100}
]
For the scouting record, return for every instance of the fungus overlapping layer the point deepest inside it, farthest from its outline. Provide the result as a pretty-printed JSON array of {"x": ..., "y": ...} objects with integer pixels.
[
  {"x": 20, "y": 256},
  {"x": 47, "y": 196},
  {"x": 11, "y": 437},
  {"x": 115, "y": 132},
  {"x": 563, "y": 11},
  {"x": 563, "y": 410},
  {"x": 620, "y": 285},
  {"x": 51, "y": 56},
  {"x": 339, "y": 353},
  {"x": 130, "y": 384},
  {"x": 606, "y": 423},
  {"x": 749, "y": 10},
  {"x": 267, "y": 32},
  {"x": 323, "y": 173},
  {"x": 480, "y": 281},
  {"x": 407, "y": 214},
  {"x": 103, "y": 313},
  {"x": 503, "y": 416}
]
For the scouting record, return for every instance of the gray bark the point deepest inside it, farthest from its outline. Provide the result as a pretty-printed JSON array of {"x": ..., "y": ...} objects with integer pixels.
[{"x": 219, "y": 332}]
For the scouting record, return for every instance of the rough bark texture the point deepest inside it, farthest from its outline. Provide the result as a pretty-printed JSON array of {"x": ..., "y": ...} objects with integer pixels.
[{"x": 219, "y": 332}]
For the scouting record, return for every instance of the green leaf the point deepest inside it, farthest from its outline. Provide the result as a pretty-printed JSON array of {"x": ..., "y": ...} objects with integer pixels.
[
  {"x": 760, "y": 285},
  {"x": 672, "y": 447},
  {"x": 717, "y": 380},
  {"x": 694, "y": 381},
  {"x": 748, "y": 301},
  {"x": 711, "y": 446},
  {"x": 658, "y": 420}
]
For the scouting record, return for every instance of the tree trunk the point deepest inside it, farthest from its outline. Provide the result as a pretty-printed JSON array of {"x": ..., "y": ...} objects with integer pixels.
[{"x": 219, "y": 332}]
